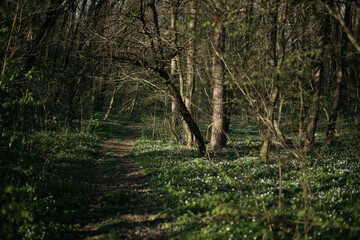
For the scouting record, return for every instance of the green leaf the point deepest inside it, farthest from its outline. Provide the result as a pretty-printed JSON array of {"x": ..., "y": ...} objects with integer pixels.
[{"x": 301, "y": 214}]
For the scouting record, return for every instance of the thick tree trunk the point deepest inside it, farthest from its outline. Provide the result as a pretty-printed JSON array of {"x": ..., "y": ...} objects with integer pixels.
[
  {"x": 190, "y": 73},
  {"x": 318, "y": 75},
  {"x": 218, "y": 137},
  {"x": 174, "y": 116},
  {"x": 339, "y": 79}
]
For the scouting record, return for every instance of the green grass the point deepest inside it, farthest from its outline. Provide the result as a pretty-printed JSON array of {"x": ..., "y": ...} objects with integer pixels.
[
  {"x": 46, "y": 178},
  {"x": 226, "y": 197}
]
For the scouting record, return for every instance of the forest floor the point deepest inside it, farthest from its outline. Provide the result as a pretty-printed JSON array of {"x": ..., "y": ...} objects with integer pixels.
[
  {"x": 97, "y": 185},
  {"x": 120, "y": 203}
]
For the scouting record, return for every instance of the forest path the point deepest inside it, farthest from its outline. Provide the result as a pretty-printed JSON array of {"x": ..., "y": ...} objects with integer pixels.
[{"x": 121, "y": 205}]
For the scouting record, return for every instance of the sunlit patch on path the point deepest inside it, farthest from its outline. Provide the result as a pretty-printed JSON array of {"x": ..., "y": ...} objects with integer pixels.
[{"x": 121, "y": 205}]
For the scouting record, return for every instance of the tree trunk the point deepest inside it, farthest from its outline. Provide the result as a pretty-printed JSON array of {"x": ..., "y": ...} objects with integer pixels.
[
  {"x": 356, "y": 118},
  {"x": 337, "y": 15},
  {"x": 73, "y": 101},
  {"x": 265, "y": 148},
  {"x": 111, "y": 103},
  {"x": 339, "y": 79},
  {"x": 50, "y": 20},
  {"x": 190, "y": 76},
  {"x": 182, "y": 109},
  {"x": 227, "y": 110},
  {"x": 174, "y": 121},
  {"x": 318, "y": 76},
  {"x": 218, "y": 138},
  {"x": 274, "y": 94},
  {"x": 173, "y": 28},
  {"x": 100, "y": 96}
]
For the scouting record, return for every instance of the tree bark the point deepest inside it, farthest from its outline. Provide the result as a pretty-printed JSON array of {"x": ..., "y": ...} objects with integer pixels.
[
  {"x": 274, "y": 94},
  {"x": 265, "y": 148},
  {"x": 227, "y": 111},
  {"x": 190, "y": 73},
  {"x": 339, "y": 79},
  {"x": 174, "y": 121},
  {"x": 182, "y": 109},
  {"x": 317, "y": 79},
  {"x": 337, "y": 15},
  {"x": 173, "y": 28},
  {"x": 116, "y": 89},
  {"x": 218, "y": 137},
  {"x": 50, "y": 20},
  {"x": 100, "y": 95}
]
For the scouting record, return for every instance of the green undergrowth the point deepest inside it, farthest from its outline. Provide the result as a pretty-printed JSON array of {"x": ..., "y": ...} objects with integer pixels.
[
  {"x": 228, "y": 197},
  {"x": 45, "y": 178}
]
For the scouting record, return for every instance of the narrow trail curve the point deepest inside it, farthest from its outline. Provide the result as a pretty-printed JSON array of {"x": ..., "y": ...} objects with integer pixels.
[{"x": 121, "y": 205}]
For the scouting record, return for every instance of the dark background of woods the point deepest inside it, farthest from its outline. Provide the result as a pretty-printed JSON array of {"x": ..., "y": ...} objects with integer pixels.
[{"x": 291, "y": 67}]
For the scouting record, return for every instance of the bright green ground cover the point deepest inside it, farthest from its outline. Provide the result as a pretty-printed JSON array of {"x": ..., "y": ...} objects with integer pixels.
[{"x": 230, "y": 197}]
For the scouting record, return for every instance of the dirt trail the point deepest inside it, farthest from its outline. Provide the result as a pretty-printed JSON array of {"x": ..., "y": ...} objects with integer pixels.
[{"x": 121, "y": 205}]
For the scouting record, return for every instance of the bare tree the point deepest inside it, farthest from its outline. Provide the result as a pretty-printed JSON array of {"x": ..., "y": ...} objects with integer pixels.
[
  {"x": 190, "y": 68},
  {"x": 274, "y": 93},
  {"x": 218, "y": 138}
]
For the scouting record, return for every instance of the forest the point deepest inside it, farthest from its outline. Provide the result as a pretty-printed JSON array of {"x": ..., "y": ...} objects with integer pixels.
[{"x": 180, "y": 119}]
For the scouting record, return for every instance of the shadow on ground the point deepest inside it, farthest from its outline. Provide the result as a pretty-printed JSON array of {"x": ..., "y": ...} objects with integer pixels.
[{"x": 118, "y": 202}]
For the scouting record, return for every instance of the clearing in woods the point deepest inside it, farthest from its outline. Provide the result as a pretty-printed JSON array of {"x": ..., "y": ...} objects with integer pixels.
[{"x": 121, "y": 204}]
